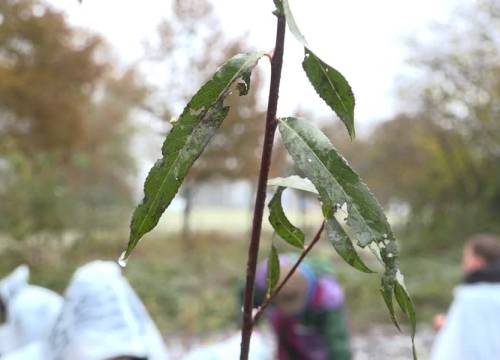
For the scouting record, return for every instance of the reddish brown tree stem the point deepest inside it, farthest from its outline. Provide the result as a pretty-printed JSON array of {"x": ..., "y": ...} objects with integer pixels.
[
  {"x": 306, "y": 251},
  {"x": 260, "y": 199}
]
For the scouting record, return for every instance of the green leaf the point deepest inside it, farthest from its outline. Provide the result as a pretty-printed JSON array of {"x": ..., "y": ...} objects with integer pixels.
[
  {"x": 332, "y": 87},
  {"x": 273, "y": 270},
  {"x": 292, "y": 25},
  {"x": 406, "y": 304},
  {"x": 283, "y": 227},
  {"x": 329, "y": 83},
  {"x": 390, "y": 256},
  {"x": 336, "y": 234},
  {"x": 186, "y": 141},
  {"x": 335, "y": 181},
  {"x": 393, "y": 285},
  {"x": 343, "y": 245},
  {"x": 339, "y": 187},
  {"x": 294, "y": 182},
  {"x": 387, "y": 289}
]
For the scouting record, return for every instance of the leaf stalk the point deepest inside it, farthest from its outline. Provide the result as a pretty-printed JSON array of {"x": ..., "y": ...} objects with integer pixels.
[{"x": 302, "y": 256}]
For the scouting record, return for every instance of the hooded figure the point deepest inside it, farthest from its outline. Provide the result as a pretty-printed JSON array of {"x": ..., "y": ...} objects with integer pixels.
[
  {"x": 102, "y": 319},
  {"x": 307, "y": 315},
  {"x": 30, "y": 311},
  {"x": 471, "y": 329}
]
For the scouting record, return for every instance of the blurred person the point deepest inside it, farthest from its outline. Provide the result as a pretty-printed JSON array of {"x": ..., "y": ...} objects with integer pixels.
[
  {"x": 471, "y": 329},
  {"x": 29, "y": 312},
  {"x": 102, "y": 319},
  {"x": 307, "y": 315}
]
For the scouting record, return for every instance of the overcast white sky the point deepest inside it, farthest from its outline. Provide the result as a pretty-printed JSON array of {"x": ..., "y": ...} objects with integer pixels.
[{"x": 364, "y": 39}]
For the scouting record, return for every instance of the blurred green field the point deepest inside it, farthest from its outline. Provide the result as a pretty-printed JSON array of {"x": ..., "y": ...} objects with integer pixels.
[
  {"x": 190, "y": 285},
  {"x": 228, "y": 220}
]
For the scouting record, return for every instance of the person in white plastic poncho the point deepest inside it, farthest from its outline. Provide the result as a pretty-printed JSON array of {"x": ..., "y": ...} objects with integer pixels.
[
  {"x": 29, "y": 311},
  {"x": 471, "y": 330},
  {"x": 261, "y": 348},
  {"x": 101, "y": 319}
]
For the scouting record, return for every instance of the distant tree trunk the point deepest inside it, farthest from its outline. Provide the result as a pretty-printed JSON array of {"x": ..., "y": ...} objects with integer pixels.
[
  {"x": 187, "y": 194},
  {"x": 251, "y": 200}
]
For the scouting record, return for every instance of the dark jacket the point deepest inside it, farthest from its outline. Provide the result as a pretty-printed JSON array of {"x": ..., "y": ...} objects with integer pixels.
[{"x": 489, "y": 274}]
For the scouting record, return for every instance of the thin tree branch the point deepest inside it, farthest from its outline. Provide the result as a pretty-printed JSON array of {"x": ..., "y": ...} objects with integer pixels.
[
  {"x": 306, "y": 251},
  {"x": 260, "y": 199}
]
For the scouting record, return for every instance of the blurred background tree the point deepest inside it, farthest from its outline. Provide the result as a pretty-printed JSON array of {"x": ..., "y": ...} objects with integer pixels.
[
  {"x": 456, "y": 190},
  {"x": 65, "y": 106},
  {"x": 440, "y": 158}
]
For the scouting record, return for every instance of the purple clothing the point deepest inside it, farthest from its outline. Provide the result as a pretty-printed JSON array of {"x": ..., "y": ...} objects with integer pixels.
[
  {"x": 319, "y": 331},
  {"x": 328, "y": 295},
  {"x": 324, "y": 292},
  {"x": 307, "y": 341}
]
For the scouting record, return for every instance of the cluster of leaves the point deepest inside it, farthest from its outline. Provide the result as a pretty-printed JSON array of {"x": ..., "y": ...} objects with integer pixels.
[{"x": 352, "y": 214}]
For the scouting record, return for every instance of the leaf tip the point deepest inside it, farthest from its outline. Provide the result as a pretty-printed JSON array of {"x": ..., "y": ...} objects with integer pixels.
[
  {"x": 123, "y": 259},
  {"x": 352, "y": 133}
]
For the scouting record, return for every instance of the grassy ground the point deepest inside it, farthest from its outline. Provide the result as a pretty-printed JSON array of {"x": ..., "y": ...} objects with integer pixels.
[{"x": 190, "y": 285}]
